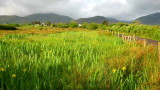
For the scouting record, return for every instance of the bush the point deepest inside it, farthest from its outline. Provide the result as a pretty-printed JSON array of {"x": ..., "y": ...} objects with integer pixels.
[
  {"x": 93, "y": 26},
  {"x": 54, "y": 25},
  {"x": 7, "y": 27},
  {"x": 63, "y": 25},
  {"x": 85, "y": 25},
  {"x": 138, "y": 29},
  {"x": 73, "y": 24},
  {"x": 123, "y": 24},
  {"x": 104, "y": 27},
  {"x": 48, "y": 23}
]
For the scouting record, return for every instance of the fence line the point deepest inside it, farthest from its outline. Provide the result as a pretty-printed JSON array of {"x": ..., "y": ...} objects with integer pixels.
[
  {"x": 159, "y": 50},
  {"x": 127, "y": 39},
  {"x": 144, "y": 43}
]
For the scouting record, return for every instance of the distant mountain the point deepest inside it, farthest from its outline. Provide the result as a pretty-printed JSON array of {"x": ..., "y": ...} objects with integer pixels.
[
  {"x": 125, "y": 21},
  {"x": 54, "y": 18},
  {"x": 96, "y": 19},
  {"x": 152, "y": 19},
  {"x": 12, "y": 19}
]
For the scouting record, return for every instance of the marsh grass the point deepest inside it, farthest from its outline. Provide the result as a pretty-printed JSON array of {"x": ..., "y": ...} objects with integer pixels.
[{"x": 76, "y": 60}]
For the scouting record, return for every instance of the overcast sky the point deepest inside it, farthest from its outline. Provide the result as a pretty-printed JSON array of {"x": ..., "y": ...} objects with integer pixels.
[{"x": 120, "y": 9}]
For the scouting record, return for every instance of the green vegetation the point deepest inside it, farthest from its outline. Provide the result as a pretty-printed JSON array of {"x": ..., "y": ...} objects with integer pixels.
[
  {"x": 76, "y": 60},
  {"x": 93, "y": 26},
  {"x": 8, "y": 27},
  {"x": 147, "y": 31},
  {"x": 105, "y": 22},
  {"x": 73, "y": 24},
  {"x": 62, "y": 25}
]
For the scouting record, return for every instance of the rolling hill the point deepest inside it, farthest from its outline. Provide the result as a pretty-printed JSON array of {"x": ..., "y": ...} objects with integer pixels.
[
  {"x": 12, "y": 19},
  {"x": 152, "y": 19},
  {"x": 96, "y": 19},
  {"x": 54, "y": 18}
]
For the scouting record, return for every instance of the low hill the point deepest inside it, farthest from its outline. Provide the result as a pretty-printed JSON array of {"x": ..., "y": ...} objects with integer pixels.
[{"x": 96, "y": 19}]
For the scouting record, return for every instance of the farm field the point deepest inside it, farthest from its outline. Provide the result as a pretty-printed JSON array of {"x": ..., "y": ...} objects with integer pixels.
[{"x": 58, "y": 58}]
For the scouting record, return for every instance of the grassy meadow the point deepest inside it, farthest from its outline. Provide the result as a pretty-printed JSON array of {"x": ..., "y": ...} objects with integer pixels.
[{"x": 71, "y": 59}]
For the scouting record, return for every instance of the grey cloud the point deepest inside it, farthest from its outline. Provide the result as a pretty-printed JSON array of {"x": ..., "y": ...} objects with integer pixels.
[
  {"x": 129, "y": 10},
  {"x": 121, "y": 9},
  {"x": 2, "y": 3}
]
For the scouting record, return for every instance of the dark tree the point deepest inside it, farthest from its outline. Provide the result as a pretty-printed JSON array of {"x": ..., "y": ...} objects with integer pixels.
[
  {"x": 105, "y": 22},
  {"x": 36, "y": 22},
  {"x": 48, "y": 23}
]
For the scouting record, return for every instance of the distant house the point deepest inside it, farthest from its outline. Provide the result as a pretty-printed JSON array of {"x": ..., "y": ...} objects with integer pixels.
[
  {"x": 42, "y": 24},
  {"x": 79, "y": 25}
]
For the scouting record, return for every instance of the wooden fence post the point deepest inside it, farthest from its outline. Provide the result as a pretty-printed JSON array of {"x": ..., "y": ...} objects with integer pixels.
[
  {"x": 130, "y": 38},
  {"x": 159, "y": 50},
  {"x": 115, "y": 33},
  {"x": 122, "y": 36},
  {"x": 125, "y": 38},
  {"x": 145, "y": 42},
  {"x": 134, "y": 37},
  {"x": 118, "y": 34},
  {"x": 112, "y": 32}
]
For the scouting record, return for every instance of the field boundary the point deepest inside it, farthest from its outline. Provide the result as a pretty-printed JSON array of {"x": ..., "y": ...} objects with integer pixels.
[{"x": 146, "y": 41}]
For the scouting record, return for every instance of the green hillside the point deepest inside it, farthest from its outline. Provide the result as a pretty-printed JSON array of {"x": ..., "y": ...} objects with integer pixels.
[
  {"x": 54, "y": 18},
  {"x": 96, "y": 19}
]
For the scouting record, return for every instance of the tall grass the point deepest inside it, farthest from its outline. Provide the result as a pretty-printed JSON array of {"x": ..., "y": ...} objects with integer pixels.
[{"x": 75, "y": 60}]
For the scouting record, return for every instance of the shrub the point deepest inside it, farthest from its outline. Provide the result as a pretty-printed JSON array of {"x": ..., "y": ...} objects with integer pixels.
[
  {"x": 73, "y": 24},
  {"x": 85, "y": 25},
  {"x": 93, "y": 26},
  {"x": 138, "y": 29},
  {"x": 105, "y": 22},
  {"x": 48, "y": 23},
  {"x": 7, "y": 27},
  {"x": 54, "y": 25},
  {"x": 104, "y": 27},
  {"x": 123, "y": 24},
  {"x": 63, "y": 25}
]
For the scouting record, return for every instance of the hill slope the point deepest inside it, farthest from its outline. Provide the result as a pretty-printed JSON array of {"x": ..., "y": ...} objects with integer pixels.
[
  {"x": 152, "y": 19},
  {"x": 54, "y": 18},
  {"x": 12, "y": 19},
  {"x": 96, "y": 19}
]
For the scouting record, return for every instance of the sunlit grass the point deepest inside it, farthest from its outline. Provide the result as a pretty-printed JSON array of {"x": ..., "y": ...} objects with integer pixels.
[{"x": 75, "y": 60}]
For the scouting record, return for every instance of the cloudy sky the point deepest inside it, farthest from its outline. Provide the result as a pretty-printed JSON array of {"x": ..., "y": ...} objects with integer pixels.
[{"x": 120, "y": 9}]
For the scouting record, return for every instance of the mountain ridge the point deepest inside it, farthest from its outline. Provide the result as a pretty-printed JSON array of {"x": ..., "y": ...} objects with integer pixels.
[
  {"x": 42, "y": 17},
  {"x": 151, "y": 19},
  {"x": 96, "y": 19}
]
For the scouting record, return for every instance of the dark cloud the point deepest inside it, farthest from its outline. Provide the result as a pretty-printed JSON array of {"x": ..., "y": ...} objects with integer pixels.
[
  {"x": 143, "y": 7},
  {"x": 121, "y": 9}
]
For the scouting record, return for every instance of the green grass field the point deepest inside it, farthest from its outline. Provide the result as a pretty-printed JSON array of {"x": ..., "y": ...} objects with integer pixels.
[{"x": 76, "y": 60}]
